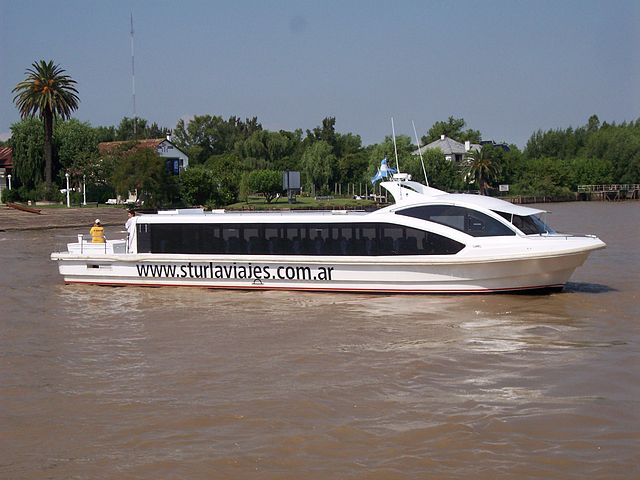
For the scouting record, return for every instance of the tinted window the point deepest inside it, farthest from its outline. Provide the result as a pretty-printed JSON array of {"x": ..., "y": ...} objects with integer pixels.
[
  {"x": 367, "y": 239},
  {"x": 529, "y": 225},
  {"x": 469, "y": 221}
]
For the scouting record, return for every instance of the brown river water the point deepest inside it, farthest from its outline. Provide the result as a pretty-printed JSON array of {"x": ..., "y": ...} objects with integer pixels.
[{"x": 173, "y": 383}]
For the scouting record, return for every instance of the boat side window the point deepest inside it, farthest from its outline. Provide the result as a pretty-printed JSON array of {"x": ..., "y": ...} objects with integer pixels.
[
  {"x": 143, "y": 238},
  {"x": 274, "y": 240},
  {"x": 527, "y": 224},
  {"x": 400, "y": 240},
  {"x": 234, "y": 239},
  {"x": 471, "y": 222},
  {"x": 369, "y": 239}
]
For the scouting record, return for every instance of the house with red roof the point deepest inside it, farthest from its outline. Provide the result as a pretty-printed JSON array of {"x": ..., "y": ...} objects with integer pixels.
[
  {"x": 6, "y": 166},
  {"x": 175, "y": 159}
]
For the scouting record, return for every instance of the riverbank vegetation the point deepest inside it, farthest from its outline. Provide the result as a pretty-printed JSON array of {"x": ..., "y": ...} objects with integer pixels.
[{"x": 231, "y": 160}]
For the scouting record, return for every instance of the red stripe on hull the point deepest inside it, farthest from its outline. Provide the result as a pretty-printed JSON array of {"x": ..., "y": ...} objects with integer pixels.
[{"x": 303, "y": 289}]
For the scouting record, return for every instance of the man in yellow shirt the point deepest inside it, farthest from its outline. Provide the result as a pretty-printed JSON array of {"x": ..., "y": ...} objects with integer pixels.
[{"x": 97, "y": 232}]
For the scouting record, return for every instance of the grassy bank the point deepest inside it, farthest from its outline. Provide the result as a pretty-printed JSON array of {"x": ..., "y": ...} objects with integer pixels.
[{"x": 304, "y": 203}]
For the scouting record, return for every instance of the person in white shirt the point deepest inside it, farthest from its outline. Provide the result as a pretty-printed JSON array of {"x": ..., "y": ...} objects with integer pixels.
[{"x": 131, "y": 229}]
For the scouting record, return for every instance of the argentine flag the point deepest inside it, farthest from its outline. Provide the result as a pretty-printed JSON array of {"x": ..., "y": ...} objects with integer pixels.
[{"x": 383, "y": 171}]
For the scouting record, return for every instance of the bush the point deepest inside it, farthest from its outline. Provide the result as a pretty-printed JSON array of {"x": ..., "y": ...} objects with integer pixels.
[
  {"x": 9, "y": 196},
  {"x": 197, "y": 185},
  {"x": 76, "y": 198},
  {"x": 266, "y": 182},
  {"x": 100, "y": 193},
  {"x": 51, "y": 194},
  {"x": 24, "y": 194}
]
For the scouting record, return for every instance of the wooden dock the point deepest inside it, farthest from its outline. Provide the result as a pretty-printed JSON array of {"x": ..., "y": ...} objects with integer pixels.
[{"x": 612, "y": 192}]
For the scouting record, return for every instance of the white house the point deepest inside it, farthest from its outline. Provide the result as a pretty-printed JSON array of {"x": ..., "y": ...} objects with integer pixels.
[
  {"x": 453, "y": 151},
  {"x": 175, "y": 159}
]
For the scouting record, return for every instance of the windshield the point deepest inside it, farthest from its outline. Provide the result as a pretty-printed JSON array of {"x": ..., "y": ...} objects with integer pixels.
[
  {"x": 529, "y": 225},
  {"x": 471, "y": 222}
]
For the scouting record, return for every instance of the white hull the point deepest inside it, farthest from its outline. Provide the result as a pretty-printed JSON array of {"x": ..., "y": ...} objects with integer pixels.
[
  {"x": 428, "y": 241},
  {"x": 355, "y": 274}
]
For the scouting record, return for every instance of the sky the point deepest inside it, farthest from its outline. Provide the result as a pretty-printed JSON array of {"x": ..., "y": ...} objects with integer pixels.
[{"x": 507, "y": 67}]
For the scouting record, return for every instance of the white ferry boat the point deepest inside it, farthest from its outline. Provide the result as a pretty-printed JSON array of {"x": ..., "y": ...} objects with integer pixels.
[{"x": 427, "y": 241}]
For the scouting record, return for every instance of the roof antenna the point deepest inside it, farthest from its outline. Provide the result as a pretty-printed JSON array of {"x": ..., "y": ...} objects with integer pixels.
[{"x": 420, "y": 152}]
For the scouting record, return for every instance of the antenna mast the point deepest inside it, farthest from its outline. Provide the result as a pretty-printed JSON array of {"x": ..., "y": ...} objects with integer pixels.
[
  {"x": 420, "y": 152},
  {"x": 133, "y": 83}
]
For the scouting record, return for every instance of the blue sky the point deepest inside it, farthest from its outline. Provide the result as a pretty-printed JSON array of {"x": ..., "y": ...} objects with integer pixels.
[{"x": 507, "y": 67}]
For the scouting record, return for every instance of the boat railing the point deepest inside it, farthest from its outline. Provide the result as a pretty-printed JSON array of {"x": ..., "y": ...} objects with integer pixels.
[
  {"x": 608, "y": 188},
  {"x": 82, "y": 242},
  {"x": 107, "y": 247}
]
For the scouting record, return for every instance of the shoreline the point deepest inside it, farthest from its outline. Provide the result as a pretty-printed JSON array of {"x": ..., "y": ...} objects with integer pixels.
[
  {"x": 50, "y": 218},
  {"x": 83, "y": 217}
]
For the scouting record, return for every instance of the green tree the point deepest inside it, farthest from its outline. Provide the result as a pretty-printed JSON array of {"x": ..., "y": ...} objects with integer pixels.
[
  {"x": 27, "y": 143},
  {"x": 543, "y": 176},
  {"x": 227, "y": 170},
  {"x": 138, "y": 128},
  {"x": 590, "y": 171},
  {"x": 347, "y": 144},
  {"x": 554, "y": 143},
  {"x": 452, "y": 128},
  {"x": 442, "y": 173},
  {"x": 619, "y": 145},
  {"x": 295, "y": 150},
  {"x": 326, "y": 132},
  {"x": 76, "y": 143},
  {"x": 105, "y": 134},
  {"x": 225, "y": 163},
  {"x": 483, "y": 168},
  {"x": 593, "y": 124},
  {"x": 208, "y": 135},
  {"x": 318, "y": 165},
  {"x": 511, "y": 164},
  {"x": 77, "y": 153},
  {"x": 253, "y": 148},
  {"x": 266, "y": 182},
  {"x": 271, "y": 150},
  {"x": 198, "y": 185},
  {"x": 144, "y": 171},
  {"x": 277, "y": 146},
  {"x": 352, "y": 168},
  {"x": 130, "y": 129},
  {"x": 387, "y": 150},
  {"x": 48, "y": 93}
]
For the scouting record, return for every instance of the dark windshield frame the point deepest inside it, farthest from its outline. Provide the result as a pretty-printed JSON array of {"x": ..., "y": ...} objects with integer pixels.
[
  {"x": 527, "y": 224},
  {"x": 463, "y": 219}
]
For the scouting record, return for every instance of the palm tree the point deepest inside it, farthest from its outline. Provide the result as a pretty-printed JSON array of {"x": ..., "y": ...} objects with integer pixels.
[
  {"x": 482, "y": 168},
  {"x": 48, "y": 93}
]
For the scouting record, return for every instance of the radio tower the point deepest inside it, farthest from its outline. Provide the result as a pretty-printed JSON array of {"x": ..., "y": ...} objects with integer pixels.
[{"x": 133, "y": 84}]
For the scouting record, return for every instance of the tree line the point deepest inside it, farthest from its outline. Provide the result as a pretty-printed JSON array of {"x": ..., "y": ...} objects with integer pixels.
[{"x": 231, "y": 158}]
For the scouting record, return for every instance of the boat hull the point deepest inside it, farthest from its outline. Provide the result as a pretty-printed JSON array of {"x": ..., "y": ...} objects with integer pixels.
[{"x": 337, "y": 274}]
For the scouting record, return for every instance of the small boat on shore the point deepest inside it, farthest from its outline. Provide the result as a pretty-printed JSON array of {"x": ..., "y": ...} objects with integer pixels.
[
  {"x": 24, "y": 208},
  {"x": 427, "y": 241}
]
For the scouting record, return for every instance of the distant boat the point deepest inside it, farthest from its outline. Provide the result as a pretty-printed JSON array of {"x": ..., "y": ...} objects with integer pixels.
[
  {"x": 24, "y": 208},
  {"x": 428, "y": 241}
]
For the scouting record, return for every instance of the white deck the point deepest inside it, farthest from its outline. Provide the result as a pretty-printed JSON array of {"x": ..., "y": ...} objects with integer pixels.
[{"x": 84, "y": 247}]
